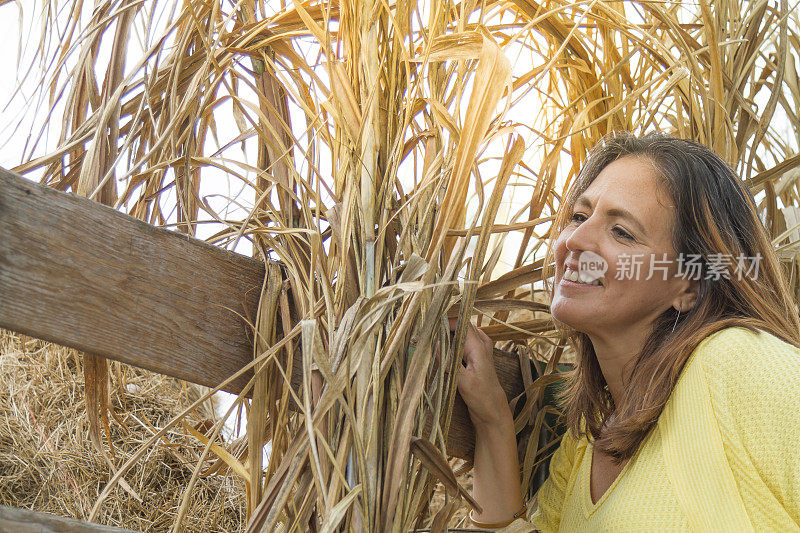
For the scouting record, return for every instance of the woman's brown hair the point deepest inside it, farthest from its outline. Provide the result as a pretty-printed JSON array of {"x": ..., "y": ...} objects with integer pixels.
[{"x": 714, "y": 215}]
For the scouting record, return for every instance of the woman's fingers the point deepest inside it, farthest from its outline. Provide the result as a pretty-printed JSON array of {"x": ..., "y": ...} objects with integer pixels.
[
  {"x": 478, "y": 347},
  {"x": 481, "y": 346},
  {"x": 477, "y": 381}
]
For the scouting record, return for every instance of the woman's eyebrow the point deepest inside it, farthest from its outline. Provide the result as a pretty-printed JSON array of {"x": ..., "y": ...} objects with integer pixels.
[
  {"x": 627, "y": 215},
  {"x": 619, "y": 212}
]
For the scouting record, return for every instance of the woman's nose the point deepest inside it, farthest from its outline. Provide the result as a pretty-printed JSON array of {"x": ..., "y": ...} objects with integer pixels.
[{"x": 583, "y": 237}]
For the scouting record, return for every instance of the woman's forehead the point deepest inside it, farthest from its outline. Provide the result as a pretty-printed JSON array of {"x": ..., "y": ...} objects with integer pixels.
[
  {"x": 630, "y": 179},
  {"x": 630, "y": 187}
]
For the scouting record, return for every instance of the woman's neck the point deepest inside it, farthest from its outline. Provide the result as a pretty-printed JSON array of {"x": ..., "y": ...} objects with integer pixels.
[{"x": 615, "y": 355}]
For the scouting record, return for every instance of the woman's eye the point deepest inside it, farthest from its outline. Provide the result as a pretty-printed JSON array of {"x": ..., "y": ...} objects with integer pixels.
[
  {"x": 622, "y": 233},
  {"x": 578, "y": 217}
]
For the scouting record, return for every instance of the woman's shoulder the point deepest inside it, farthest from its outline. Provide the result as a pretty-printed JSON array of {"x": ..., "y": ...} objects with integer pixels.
[
  {"x": 731, "y": 350},
  {"x": 749, "y": 373}
]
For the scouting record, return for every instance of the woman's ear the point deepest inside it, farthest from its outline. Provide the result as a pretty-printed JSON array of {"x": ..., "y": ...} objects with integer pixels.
[{"x": 687, "y": 298}]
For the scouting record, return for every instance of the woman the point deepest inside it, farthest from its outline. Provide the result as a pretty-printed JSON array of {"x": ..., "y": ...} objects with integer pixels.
[{"x": 683, "y": 406}]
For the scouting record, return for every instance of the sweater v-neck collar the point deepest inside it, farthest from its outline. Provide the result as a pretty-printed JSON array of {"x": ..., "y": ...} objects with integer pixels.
[{"x": 590, "y": 507}]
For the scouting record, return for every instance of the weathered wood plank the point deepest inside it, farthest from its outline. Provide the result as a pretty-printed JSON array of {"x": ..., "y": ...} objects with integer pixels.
[
  {"x": 25, "y": 521},
  {"x": 77, "y": 273},
  {"x": 80, "y": 274}
]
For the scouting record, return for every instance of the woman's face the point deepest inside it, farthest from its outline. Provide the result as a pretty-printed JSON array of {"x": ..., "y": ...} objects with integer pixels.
[{"x": 623, "y": 222}]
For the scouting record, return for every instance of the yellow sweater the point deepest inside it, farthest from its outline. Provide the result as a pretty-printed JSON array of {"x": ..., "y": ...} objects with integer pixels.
[{"x": 724, "y": 455}]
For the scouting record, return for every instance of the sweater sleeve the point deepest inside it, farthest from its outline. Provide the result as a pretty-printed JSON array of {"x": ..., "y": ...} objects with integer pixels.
[
  {"x": 754, "y": 385},
  {"x": 552, "y": 493}
]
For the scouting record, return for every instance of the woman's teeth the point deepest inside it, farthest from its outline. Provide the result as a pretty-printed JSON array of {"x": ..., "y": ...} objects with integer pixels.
[{"x": 575, "y": 277}]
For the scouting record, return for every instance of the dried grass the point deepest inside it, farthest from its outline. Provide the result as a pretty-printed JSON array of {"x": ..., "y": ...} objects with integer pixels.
[{"x": 49, "y": 464}]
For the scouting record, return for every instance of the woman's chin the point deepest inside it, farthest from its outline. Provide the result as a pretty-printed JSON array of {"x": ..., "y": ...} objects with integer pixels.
[{"x": 573, "y": 318}]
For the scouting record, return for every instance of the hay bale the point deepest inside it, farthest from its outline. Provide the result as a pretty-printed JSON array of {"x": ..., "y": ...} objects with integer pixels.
[{"x": 48, "y": 464}]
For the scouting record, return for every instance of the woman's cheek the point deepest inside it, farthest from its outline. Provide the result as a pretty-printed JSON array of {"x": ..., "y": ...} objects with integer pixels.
[{"x": 613, "y": 268}]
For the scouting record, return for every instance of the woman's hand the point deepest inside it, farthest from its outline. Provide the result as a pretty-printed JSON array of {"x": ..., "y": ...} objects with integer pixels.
[
  {"x": 496, "y": 476},
  {"x": 477, "y": 380}
]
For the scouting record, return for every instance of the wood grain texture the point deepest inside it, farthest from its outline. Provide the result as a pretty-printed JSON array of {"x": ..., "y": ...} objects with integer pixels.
[
  {"x": 24, "y": 521},
  {"x": 77, "y": 273},
  {"x": 83, "y": 275}
]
